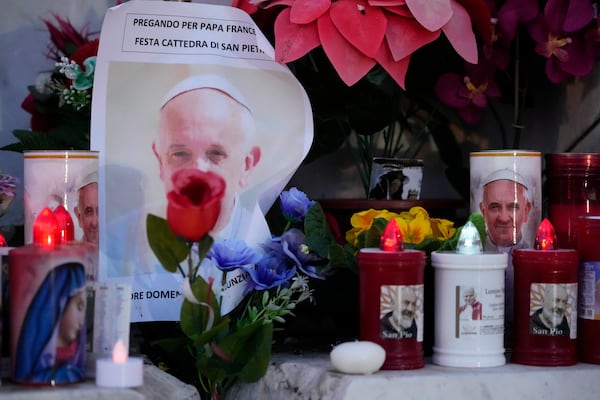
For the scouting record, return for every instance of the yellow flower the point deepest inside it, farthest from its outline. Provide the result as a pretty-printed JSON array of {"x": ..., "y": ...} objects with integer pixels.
[
  {"x": 362, "y": 221},
  {"x": 414, "y": 230},
  {"x": 442, "y": 228}
]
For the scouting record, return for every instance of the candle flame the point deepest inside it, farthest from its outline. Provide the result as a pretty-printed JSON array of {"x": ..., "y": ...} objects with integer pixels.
[
  {"x": 45, "y": 229},
  {"x": 391, "y": 239},
  {"x": 469, "y": 241},
  {"x": 545, "y": 238},
  {"x": 119, "y": 354}
]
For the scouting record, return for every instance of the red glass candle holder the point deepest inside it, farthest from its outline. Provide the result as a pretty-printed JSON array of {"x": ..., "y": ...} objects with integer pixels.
[
  {"x": 545, "y": 302},
  {"x": 573, "y": 189},
  {"x": 588, "y": 315},
  {"x": 391, "y": 304}
]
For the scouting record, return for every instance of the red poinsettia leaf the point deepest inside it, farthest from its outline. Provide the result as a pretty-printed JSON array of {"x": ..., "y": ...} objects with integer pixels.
[
  {"x": 274, "y": 3},
  {"x": 245, "y": 5},
  {"x": 306, "y": 11},
  {"x": 293, "y": 41},
  {"x": 87, "y": 50},
  {"x": 396, "y": 69},
  {"x": 28, "y": 104},
  {"x": 360, "y": 24},
  {"x": 459, "y": 33},
  {"x": 405, "y": 35},
  {"x": 386, "y": 3},
  {"x": 350, "y": 64},
  {"x": 400, "y": 10},
  {"x": 432, "y": 14},
  {"x": 480, "y": 16}
]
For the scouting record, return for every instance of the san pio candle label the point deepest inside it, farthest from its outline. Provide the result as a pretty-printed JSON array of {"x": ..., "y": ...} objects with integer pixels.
[
  {"x": 401, "y": 312},
  {"x": 553, "y": 309}
]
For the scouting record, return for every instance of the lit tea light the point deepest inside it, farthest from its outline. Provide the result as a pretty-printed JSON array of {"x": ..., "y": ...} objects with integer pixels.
[{"x": 120, "y": 370}]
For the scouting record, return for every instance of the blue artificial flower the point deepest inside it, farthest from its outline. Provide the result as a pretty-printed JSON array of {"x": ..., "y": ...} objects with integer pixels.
[
  {"x": 294, "y": 205},
  {"x": 8, "y": 185},
  {"x": 85, "y": 79},
  {"x": 270, "y": 272},
  {"x": 232, "y": 254},
  {"x": 293, "y": 243}
]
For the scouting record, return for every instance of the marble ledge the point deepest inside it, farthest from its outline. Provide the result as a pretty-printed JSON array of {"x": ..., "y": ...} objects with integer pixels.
[
  {"x": 158, "y": 385},
  {"x": 307, "y": 377}
]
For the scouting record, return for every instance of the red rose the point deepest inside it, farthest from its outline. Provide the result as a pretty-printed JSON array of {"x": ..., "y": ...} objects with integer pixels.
[{"x": 194, "y": 204}]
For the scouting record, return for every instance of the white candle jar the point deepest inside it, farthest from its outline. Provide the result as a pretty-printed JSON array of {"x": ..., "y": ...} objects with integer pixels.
[{"x": 469, "y": 309}]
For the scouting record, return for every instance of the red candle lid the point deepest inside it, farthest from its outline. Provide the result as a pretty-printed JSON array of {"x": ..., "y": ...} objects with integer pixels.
[
  {"x": 545, "y": 238},
  {"x": 45, "y": 229},
  {"x": 391, "y": 239}
]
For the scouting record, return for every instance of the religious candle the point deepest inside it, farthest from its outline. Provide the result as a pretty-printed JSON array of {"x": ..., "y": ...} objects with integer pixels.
[
  {"x": 47, "y": 308},
  {"x": 120, "y": 371},
  {"x": 573, "y": 189},
  {"x": 53, "y": 178},
  {"x": 545, "y": 302},
  {"x": 588, "y": 310},
  {"x": 506, "y": 188},
  {"x": 391, "y": 299},
  {"x": 469, "y": 304}
]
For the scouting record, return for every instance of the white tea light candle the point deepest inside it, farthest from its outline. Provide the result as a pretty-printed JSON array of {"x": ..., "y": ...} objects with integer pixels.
[
  {"x": 120, "y": 371},
  {"x": 360, "y": 357}
]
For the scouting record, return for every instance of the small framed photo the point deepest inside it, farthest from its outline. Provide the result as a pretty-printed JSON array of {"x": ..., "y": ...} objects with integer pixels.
[{"x": 396, "y": 179}]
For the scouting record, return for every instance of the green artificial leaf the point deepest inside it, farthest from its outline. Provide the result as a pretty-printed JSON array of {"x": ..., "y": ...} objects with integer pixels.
[
  {"x": 204, "y": 246},
  {"x": 337, "y": 256},
  {"x": 256, "y": 365},
  {"x": 250, "y": 350},
  {"x": 31, "y": 140},
  {"x": 194, "y": 317},
  {"x": 372, "y": 236},
  {"x": 430, "y": 244},
  {"x": 479, "y": 222},
  {"x": 168, "y": 248},
  {"x": 316, "y": 230}
]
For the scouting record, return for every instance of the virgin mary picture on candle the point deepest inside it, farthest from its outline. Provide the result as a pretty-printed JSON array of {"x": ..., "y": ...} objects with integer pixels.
[{"x": 51, "y": 344}]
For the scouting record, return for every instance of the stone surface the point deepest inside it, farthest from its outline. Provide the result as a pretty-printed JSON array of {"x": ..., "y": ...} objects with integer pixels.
[
  {"x": 312, "y": 377},
  {"x": 158, "y": 385}
]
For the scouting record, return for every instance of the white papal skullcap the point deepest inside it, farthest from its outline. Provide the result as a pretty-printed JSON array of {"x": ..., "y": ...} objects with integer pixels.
[
  {"x": 205, "y": 82},
  {"x": 92, "y": 177},
  {"x": 505, "y": 174}
]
